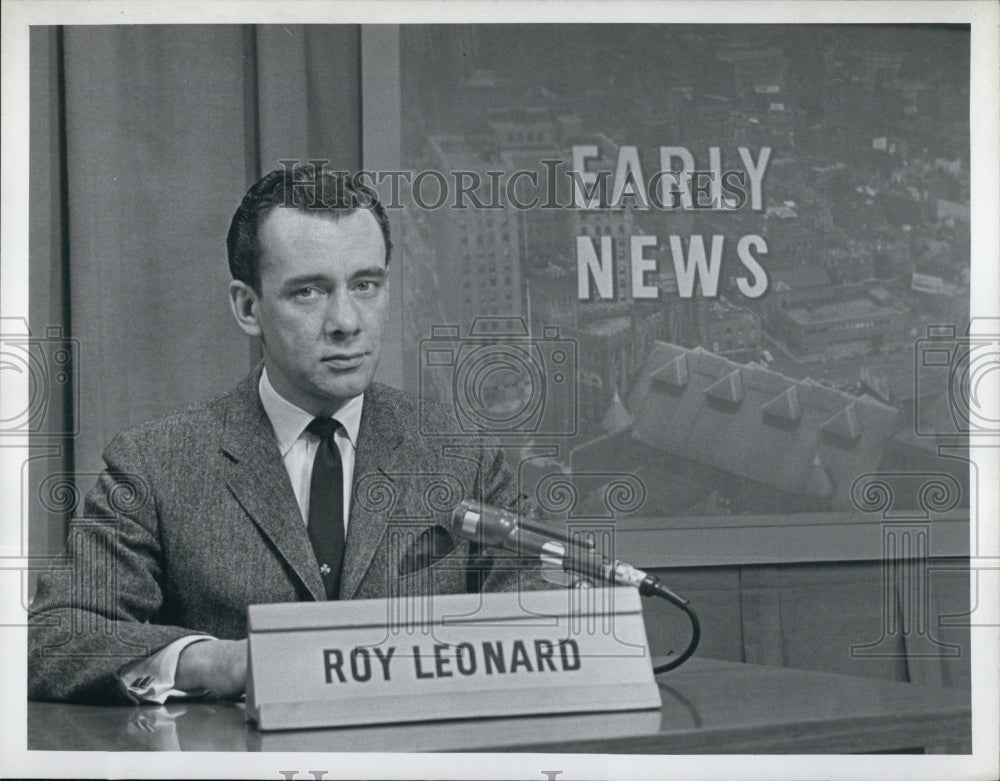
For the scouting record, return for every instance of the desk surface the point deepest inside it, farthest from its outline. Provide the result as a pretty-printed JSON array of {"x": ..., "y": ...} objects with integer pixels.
[{"x": 708, "y": 707}]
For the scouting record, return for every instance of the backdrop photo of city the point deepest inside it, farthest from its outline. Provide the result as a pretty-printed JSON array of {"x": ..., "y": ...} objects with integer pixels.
[{"x": 773, "y": 350}]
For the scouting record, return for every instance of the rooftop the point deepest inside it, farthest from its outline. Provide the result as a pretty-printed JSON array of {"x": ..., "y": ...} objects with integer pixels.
[
  {"x": 608, "y": 325},
  {"x": 794, "y": 435},
  {"x": 839, "y": 311}
]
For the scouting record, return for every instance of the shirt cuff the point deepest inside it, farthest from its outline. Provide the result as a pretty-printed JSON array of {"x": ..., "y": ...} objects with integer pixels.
[{"x": 152, "y": 679}]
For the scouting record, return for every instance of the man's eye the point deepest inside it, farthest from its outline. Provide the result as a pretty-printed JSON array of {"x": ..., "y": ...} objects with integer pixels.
[
  {"x": 366, "y": 286},
  {"x": 306, "y": 292}
]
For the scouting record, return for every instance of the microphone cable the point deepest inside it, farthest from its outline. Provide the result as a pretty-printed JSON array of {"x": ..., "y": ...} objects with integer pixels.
[
  {"x": 683, "y": 604},
  {"x": 648, "y": 585}
]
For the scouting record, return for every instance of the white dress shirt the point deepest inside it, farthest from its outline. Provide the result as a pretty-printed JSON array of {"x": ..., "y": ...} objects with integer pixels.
[
  {"x": 298, "y": 447},
  {"x": 152, "y": 679}
]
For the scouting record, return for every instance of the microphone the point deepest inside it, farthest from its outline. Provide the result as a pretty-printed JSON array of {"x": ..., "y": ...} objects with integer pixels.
[
  {"x": 492, "y": 526},
  {"x": 501, "y": 528}
]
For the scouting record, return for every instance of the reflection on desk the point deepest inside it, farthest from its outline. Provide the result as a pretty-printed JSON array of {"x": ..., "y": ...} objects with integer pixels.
[{"x": 708, "y": 707}]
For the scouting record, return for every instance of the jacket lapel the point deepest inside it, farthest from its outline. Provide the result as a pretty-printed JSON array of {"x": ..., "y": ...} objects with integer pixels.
[
  {"x": 377, "y": 452},
  {"x": 259, "y": 481}
]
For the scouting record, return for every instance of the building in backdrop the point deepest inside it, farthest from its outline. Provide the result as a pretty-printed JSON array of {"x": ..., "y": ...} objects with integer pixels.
[{"x": 786, "y": 397}]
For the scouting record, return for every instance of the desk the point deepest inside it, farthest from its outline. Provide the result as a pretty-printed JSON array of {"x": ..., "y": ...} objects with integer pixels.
[{"x": 709, "y": 707}]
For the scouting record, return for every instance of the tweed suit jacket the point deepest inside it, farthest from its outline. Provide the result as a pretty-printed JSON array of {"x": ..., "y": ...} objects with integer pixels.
[{"x": 194, "y": 519}]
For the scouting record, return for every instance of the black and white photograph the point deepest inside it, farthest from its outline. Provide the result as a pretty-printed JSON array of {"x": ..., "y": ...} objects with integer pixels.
[{"x": 500, "y": 390}]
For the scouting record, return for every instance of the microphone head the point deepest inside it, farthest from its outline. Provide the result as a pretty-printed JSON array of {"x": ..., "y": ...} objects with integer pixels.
[
  {"x": 465, "y": 519},
  {"x": 482, "y": 523}
]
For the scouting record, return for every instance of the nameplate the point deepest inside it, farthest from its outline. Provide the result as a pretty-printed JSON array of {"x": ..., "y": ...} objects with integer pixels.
[{"x": 412, "y": 659}]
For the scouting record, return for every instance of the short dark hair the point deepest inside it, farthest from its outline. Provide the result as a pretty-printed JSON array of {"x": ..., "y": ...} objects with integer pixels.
[{"x": 306, "y": 188}]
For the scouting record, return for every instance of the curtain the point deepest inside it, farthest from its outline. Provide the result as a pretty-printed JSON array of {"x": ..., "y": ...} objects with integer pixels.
[{"x": 143, "y": 140}]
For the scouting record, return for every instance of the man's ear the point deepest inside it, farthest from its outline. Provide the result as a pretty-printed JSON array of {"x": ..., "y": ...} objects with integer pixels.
[{"x": 245, "y": 303}]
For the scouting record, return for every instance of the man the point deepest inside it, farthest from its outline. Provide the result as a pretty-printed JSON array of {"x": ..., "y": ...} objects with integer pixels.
[{"x": 243, "y": 500}]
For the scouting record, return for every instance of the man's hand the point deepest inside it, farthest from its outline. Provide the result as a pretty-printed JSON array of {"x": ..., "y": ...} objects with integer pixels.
[{"x": 217, "y": 665}]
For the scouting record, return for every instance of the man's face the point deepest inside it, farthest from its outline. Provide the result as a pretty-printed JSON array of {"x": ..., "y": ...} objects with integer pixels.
[{"x": 323, "y": 305}]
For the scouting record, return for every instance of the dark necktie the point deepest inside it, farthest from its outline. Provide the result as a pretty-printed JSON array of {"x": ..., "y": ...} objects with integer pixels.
[{"x": 326, "y": 505}]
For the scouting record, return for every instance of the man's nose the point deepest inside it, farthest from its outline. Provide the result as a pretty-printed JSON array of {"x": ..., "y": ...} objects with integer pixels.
[{"x": 342, "y": 315}]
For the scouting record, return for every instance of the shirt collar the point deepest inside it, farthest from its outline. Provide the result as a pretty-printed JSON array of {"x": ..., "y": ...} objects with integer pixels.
[{"x": 289, "y": 420}]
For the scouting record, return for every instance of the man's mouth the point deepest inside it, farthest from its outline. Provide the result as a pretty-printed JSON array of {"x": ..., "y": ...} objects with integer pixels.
[{"x": 344, "y": 360}]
